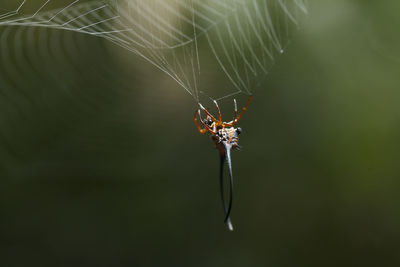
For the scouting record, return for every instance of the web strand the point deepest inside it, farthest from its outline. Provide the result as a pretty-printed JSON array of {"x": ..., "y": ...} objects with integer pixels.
[{"x": 244, "y": 36}]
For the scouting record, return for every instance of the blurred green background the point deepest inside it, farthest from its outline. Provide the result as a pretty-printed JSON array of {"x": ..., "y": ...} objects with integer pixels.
[{"x": 101, "y": 164}]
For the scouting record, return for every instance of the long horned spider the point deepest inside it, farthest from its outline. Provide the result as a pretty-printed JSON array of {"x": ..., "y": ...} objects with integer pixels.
[{"x": 226, "y": 137}]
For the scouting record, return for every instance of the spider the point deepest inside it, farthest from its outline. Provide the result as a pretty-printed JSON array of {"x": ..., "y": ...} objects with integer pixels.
[{"x": 226, "y": 137}]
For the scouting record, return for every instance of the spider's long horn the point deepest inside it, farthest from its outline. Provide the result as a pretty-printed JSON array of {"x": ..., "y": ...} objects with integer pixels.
[{"x": 228, "y": 209}]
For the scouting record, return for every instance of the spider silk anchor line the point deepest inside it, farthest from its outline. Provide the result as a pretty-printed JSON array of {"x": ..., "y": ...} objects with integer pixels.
[{"x": 242, "y": 38}]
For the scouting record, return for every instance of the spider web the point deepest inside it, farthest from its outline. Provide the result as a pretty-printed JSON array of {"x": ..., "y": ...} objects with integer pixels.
[{"x": 243, "y": 36}]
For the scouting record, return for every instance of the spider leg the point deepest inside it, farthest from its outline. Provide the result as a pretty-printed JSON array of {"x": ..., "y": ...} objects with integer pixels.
[
  {"x": 235, "y": 116},
  {"x": 208, "y": 113},
  {"x": 219, "y": 111},
  {"x": 243, "y": 110},
  {"x": 202, "y": 131},
  {"x": 206, "y": 127},
  {"x": 235, "y": 120}
]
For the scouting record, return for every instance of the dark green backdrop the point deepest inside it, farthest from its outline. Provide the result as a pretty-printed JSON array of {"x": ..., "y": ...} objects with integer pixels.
[{"x": 101, "y": 164}]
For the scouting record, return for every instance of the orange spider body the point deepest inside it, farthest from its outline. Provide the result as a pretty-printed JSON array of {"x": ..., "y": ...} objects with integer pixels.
[
  {"x": 221, "y": 132},
  {"x": 226, "y": 137}
]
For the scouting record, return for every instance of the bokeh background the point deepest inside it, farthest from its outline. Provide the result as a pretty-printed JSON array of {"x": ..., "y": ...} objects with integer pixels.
[{"x": 101, "y": 165}]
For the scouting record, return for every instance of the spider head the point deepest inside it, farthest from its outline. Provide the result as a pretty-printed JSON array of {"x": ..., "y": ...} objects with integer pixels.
[{"x": 208, "y": 121}]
